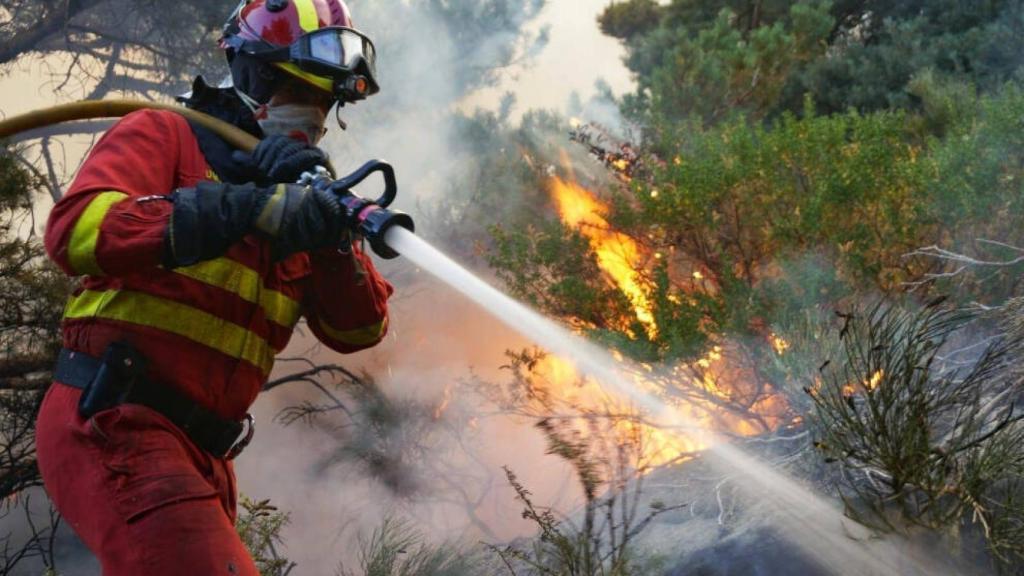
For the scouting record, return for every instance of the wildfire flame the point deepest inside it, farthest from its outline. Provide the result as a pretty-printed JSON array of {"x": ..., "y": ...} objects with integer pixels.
[
  {"x": 446, "y": 399},
  {"x": 616, "y": 253},
  {"x": 621, "y": 258},
  {"x": 868, "y": 385},
  {"x": 660, "y": 446},
  {"x": 779, "y": 344},
  {"x": 558, "y": 382}
]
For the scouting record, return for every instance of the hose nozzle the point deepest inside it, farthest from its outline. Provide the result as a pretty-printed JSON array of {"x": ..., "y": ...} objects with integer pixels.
[{"x": 370, "y": 218}]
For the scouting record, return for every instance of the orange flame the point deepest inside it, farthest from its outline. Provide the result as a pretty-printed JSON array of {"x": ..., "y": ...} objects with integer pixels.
[
  {"x": 446, "y": 399},
  {"x": 617, "y": 254},
  {"x": 659, "y": 446},
  {"x": 868, "y": 385},
  {"x": 778, "y": 343},
  {"x": 558, "y": 381},
  {"x": 875, "y": 380}
]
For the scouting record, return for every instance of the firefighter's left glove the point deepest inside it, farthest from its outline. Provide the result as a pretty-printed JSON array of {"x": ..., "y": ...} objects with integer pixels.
[
  {"x": 279, "y": 158},
  {"x": 208, "y": 219}
]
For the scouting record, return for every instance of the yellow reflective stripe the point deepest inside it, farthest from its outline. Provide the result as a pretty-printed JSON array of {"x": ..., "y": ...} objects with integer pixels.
[
  {"x": 359, "y": 336},
  {"x": 176, "y": 318},
  {"x": 82, "y": 246},
  {"x": 320, "y": 82},
  {"x": 247, "y": 284},
  {"x": 308, "y": 19},
  {"x": 269, "y": 219}
]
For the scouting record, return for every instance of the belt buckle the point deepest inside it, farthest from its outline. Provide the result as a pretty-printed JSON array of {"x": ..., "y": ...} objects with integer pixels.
[{"x": 243, "y": 439}]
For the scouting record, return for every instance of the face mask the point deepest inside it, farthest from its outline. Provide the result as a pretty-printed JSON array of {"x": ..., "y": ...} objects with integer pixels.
[{"x": 301, "y": 122}]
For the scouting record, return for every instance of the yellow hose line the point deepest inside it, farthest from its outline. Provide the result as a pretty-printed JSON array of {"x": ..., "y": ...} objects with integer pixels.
[{"x": 91, "y": 109}]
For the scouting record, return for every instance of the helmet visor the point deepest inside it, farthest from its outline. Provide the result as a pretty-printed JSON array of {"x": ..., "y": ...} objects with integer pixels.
[
  {"x": 340, "y": 47},
  {"x": 335, "y": 52}
]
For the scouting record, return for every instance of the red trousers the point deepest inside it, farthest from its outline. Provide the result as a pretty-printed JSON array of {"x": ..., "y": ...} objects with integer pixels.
[{"x": 138, "y": 492}]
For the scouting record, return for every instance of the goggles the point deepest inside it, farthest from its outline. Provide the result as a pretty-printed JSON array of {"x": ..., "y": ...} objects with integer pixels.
[{"x": 344, "y": 55}]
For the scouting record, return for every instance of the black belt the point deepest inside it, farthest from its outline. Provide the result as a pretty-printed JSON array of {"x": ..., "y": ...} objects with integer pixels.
[{"x": 221, "y": 438}]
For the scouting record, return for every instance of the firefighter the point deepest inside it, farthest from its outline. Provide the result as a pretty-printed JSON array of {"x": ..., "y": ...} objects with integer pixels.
[{"x": 197, "y": 261}]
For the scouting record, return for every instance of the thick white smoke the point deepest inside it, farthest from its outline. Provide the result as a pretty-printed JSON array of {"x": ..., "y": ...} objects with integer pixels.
[{"x": 436, "y": 337}]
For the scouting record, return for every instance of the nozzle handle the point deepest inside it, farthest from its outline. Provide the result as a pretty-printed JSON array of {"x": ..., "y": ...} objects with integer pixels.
[{"x": 346, "y": 183}]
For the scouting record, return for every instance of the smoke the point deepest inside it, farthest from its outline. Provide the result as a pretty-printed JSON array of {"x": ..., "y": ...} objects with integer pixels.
[{"x": 437, "y": 63}]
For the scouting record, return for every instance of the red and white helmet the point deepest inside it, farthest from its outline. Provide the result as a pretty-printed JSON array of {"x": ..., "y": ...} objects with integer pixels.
[{"x": 313, "y": 40}]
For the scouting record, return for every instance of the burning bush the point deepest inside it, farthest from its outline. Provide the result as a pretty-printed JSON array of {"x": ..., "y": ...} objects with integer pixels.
[{"x": 922, "y": 416}]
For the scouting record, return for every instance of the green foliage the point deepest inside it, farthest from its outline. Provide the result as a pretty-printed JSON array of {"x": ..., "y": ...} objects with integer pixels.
[
  {"x": 30, "y": 310},
  {"x": 979, "y": 165},
  {"x": 882, "y": 46},
  {"x": 975, "y": 187},
  {"x": 711, "y": 59},
  {"x": 398, "y": 549},
  {"x": 720, "y": 69},
  {"x": 260, "y": 525},
  {"x": 627, "y": 19},
  {"x": 541, "y": 265},
  {"x": 750, "y": 195},
  {"x": 34, "y": 290},
  {"x": 16, "y": 184}
]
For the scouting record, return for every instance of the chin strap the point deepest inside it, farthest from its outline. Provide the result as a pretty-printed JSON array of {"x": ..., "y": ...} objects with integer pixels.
[
  {"x": 337, "y": 115},
  {"x": 253, "y": 106}
]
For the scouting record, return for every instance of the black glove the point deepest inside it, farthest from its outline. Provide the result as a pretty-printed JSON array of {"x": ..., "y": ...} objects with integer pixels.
[
  {"x": 211, "y": 217},
  {"x": 300, "y": 218},
  {"x": 282, "y": 159}
]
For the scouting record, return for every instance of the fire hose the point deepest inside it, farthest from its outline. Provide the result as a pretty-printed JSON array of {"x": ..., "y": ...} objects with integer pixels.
[{"x": 370, "y": 218}]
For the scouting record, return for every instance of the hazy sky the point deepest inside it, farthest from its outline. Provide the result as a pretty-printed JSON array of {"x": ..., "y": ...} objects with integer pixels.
[{"x": 576, "y": 56}]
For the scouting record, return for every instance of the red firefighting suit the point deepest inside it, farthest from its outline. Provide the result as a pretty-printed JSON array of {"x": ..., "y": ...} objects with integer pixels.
[{"x": 133, "y": 486}]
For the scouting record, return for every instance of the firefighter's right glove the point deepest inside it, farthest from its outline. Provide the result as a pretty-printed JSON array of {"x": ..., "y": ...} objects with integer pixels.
[
  {"x": 300, "y": 218},
  {"x": 211, "y": 217},
  {"x": 282, "y": 159}
]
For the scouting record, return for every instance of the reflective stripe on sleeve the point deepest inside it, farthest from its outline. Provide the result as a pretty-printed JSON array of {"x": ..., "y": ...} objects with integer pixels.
[
  {"x": 358, "y": 336},
  {"x": 269, "y": 219},
  {"x": 86, "y": 232},
  {"x": 246, "y": 283},
  {"x": 175, "y": 318}
]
